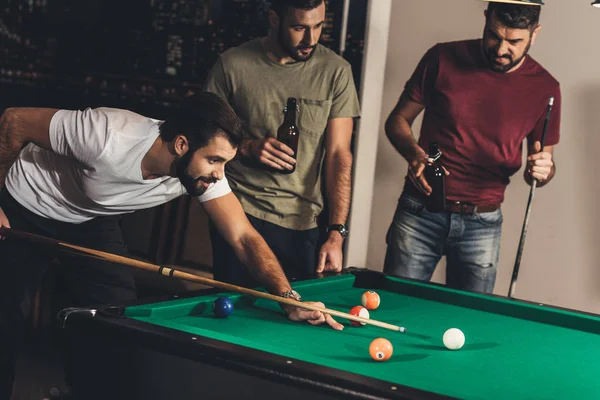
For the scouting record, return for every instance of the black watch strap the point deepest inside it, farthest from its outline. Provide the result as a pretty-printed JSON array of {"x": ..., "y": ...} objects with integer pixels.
[{"x": 341, "y": 228}]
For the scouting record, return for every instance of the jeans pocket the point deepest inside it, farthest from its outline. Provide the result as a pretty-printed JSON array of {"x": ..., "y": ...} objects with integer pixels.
[
  {"x": 410, "y": 204},
  {"x": 491, "y": 219}
]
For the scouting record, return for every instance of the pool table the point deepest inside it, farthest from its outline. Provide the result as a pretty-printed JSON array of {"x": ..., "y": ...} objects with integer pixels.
[{"x": 177, "y": 349}]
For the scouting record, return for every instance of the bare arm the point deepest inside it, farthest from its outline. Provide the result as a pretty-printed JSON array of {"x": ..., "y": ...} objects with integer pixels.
[
  {"x": 398, "y": 129},
  {"x": 18, "y": 127},
  {"x": 338, "y": 182},
  {"x": 229, "y": 217},
  {"x": 338, "y": 168}
]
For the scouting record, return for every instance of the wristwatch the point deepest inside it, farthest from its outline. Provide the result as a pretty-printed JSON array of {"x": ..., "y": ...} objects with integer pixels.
[
  {"x": 341, "y": 228},
  {"x": 291, "y": 294}
]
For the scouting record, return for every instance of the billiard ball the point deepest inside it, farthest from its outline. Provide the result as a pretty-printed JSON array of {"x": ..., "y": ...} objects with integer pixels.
[
  {"x": 453, "y": 339},
  {"x": 222, "y": 307},
  {"x": 381, "y": 349},
  {"x": 359, "y": 311},
  {"x": 370, "y": 300}
]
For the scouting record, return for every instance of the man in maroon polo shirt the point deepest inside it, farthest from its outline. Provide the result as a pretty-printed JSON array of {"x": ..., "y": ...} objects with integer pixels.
[{"x": 481, "y": 98}]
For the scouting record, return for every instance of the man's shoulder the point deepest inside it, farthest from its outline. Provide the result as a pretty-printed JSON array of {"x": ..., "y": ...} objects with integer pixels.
[
  {"x": 325, "y": 55},
  {"x": 120, "y": 119},
  {"x": 117, "y": 122},
  {"x": 451, "y": 51},
  {"x": 246, "y": 51},
  {"x": 119, "y": 113},
  {"x": 100, "y": 118},
  {"x": 537, "y": 69},
  {"x": 456, "y": 46}
]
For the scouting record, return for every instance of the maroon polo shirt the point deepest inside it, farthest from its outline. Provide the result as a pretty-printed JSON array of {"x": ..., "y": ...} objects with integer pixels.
[{"x": 480, "y": 117}]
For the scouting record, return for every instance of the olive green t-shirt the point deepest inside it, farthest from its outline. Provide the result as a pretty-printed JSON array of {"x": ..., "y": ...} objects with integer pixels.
[{"x": 258, "y": 88}]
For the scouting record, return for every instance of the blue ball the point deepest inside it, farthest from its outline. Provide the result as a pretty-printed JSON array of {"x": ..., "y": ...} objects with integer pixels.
[{"x": 222, "y": 307}]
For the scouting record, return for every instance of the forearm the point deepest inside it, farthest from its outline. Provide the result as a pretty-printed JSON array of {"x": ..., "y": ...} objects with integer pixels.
[
  {"x": 262, "y": 264},
  {"x": 399, "y": 132},
  {"x": 338, "y": 175},
  {"x": 10, "y": 143}
]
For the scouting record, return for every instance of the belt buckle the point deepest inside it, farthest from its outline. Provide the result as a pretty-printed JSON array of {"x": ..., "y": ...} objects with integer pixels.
[
  {"x": 461, "y": 206},
  {"x": 464, "y": 206}
]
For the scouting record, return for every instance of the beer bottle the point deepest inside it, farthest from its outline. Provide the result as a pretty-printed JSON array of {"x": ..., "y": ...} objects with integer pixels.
[
  {"x": 436, "y": 178},
  {"x": 288, "y": 133}
]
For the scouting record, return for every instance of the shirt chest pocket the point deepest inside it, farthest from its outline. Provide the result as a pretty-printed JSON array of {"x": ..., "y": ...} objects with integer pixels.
[{"x": 313, "y": 116}]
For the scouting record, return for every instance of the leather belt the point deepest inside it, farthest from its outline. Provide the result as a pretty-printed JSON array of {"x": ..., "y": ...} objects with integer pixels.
[
  {"x": 465, "y": 208},
  {"x": 452, "y": 206}
]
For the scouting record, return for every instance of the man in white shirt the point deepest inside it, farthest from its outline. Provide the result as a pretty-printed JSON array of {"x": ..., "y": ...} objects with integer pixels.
[{"x": 69, "y": 175}]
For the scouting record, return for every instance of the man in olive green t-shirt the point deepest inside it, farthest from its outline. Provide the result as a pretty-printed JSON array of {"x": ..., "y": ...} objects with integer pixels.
[{"x": 257, "y": 78}]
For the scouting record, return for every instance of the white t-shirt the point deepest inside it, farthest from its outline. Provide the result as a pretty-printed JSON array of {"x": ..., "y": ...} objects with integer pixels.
[{"x": 95, "y": 169}]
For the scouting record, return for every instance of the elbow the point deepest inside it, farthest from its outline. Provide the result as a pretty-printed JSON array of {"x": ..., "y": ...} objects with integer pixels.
[
  {"x": 9, "y": 117},
  {"x": 245, "y": 241},
  {"x": 391, "y": 126},
  {"x": 341, "y": 160},
  {"x": 9, "y": 121}
]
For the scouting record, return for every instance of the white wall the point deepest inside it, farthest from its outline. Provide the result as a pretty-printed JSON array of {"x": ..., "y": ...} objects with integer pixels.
[
  {"x": 372, "y": 86},
  {"x": 559, "y": 264}
]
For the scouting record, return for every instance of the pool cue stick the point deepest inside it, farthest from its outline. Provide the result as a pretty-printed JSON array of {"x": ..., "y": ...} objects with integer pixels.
[
  {"x": 186, "y": 276},
  {"x": 515, "y": 274}
]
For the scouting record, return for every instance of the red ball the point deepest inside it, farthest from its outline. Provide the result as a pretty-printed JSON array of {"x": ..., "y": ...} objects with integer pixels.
[
  {"x": 359, "y": 311},
  {"x": 370, "y": 300},
  {"x": 381, "y": 349}
]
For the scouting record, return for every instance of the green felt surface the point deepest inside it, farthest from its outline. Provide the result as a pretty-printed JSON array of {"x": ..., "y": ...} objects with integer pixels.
[{"x": 512, "y": 350}]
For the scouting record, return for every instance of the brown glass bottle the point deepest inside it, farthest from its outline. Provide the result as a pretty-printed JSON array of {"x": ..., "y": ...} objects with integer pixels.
[
  {"x": 288, "y": 133},
  {"x": 436, "y": 178}
]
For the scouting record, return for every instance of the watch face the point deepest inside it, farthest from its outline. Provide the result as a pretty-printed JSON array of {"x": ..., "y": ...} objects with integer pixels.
[
  {"x": 292, "y": 294},
  {"x": 340, "y": 228}
]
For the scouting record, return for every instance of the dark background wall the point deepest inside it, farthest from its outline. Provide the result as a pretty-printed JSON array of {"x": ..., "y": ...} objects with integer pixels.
[{"x": 146, "y": 56}]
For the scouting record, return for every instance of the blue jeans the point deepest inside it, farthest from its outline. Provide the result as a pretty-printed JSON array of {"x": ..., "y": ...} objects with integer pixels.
[{"x": 417, "y": 239}]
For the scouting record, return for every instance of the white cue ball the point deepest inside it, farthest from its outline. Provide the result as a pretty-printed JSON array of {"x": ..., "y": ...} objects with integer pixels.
[{"x": 453, "y": 339}]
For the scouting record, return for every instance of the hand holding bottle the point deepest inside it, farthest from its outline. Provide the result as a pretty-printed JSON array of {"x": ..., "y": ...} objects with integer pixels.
[
  {"x": 416, "y": 166},
  {"x": 269, "y": 151},
  {"x": 279, "y": 153}
]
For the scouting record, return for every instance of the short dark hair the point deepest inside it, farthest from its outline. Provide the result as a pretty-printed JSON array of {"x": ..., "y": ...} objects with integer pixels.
[
  {"x": 282, "y": 6},
  {"x": 515, "y": 16},
  {"x": 200, "y": 118}
]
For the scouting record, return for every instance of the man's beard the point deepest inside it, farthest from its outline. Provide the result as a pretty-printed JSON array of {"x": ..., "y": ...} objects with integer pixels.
[
  {"x": 188, "y": 181},
  {"x": 490, "y": 56},
  {"x": 293, "y": 51}
]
